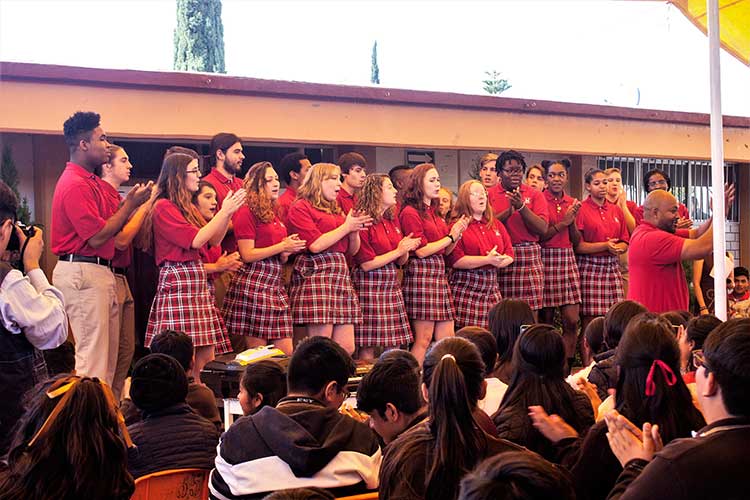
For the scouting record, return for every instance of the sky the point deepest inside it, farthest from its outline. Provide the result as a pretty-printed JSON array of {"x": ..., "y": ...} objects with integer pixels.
[{"x": 624, "y": 53}]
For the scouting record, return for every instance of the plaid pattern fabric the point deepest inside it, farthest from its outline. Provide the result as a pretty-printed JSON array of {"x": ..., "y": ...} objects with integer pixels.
[
  {"x": 474, "y": 292},
  {"x": 321, "y": 291},
  {"x": 601, "y": 283},
  {"x": 256, "y": 302},
  {"x": 426, "y": 292},
  {"x": 183, "y": 303},
  {"x": 561, "y": 279},
  {"x": 384, "y": 320},
  {"x": 524, "y": 279}
]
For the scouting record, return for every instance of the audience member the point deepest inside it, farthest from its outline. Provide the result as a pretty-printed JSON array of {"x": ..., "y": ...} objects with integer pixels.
[
  {"x": 301, "y": 494},
  {"x": 171, "y": 435},
  {"x": 430, "y": 460},
  {"x": 487, "y": 346},
  {"x": 390, "y": 393},
  {"x": 691, "y": 339},
  {"x": 713, "y": 463},
  {"x": 61, "y": 359},
  {"x": 677, "y": 319},
  {"x": 516, "y": 475},
  {"x": 604, "y": 373},
  {"x": 739, "y": 299},
  {"x": 592, "y": 344},
  {"x": 70, "y": 444},
  {"x": 538, "y": 379},
  {"x": 262, "y": 384},
  {"x": 304, "y": 441},
  {"x": 649, "y": 389},
  {"x": 506, "y": 319},
  {"x": 32, "y": 313}
]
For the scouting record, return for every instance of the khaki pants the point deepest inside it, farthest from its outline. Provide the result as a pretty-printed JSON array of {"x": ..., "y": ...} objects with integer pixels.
[
  {"x": 91, "y": 305},
  {"x": 126, "y": 322}
]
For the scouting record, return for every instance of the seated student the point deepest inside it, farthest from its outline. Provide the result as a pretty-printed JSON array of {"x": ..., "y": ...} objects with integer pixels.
[
  {"x": 429, "y": 460},
  {"x": 199, "y": 397},
  {"x": 69, "y": 444},
  {"x": 304, "y": 441},
  {"x": 690, "y": 339},
  {"x": 487, "y": 346},
  {"x": 516, "y": 475},
  {"x": 591, "y": 346},
  {"x": 604, "y": 373},
  {"x": 171, "y": 435},
  {"x": 263, "y": 384},
  {"x": 506, "y": 319},
  {"x": 677, "y": 318},
  {"x": 738, "y": 300},
  {"x": 713, "y": 464},
  {"x": 301, "y": 494},
  {"x": 390, "y": 394},
  {"x": 538, "y": 379},
  {"x": 61, "y": 359},
  {"x": 649, "y": 389}
]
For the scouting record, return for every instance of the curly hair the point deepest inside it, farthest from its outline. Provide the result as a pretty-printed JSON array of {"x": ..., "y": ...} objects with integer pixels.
[
  {"x": 414, "y": 192},
  {"x": 79, "y": 126},
  {"x": 371, "y": 196},
  {"x": 260, "y": 204},
  {"x": 463, "y": 204},
  {"x": 311, "y": 188},
  {"x": 507, "y": 156}
]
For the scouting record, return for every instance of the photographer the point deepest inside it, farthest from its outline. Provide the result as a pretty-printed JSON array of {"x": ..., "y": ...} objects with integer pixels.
[{"x": 32, "y": 313}]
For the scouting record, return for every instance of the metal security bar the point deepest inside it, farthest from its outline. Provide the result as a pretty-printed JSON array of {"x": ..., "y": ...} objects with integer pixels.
[{"x": 691, "y": 180}]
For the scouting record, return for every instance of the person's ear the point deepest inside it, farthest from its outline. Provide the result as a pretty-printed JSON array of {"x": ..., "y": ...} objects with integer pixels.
[
  {"x": 483, "y": 390},
  {"x": 294, "y": 175},
  {"x": 425, "y": 393},
  {"x": 691, "y": 343},
  {"x": 331, "y": 391},
  {"x": 711, "y": 388},
  {"x": 257, "y": 400},
  {"x": 220, "y": 156},
  {"x": 391, "y": 413}
]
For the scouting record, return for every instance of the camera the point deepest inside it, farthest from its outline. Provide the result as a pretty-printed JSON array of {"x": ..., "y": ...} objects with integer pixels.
[{"x": 14, "y": 244}]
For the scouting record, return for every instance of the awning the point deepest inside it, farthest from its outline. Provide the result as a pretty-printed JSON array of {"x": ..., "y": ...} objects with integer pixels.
[{"x": 734, "y": 22}]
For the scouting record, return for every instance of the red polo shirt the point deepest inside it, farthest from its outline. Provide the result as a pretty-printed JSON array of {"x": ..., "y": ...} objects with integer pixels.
[
  {"x": 478, "y": 240},
  {"x": 173, "y": 234},
  {"x": 429, "y": 227},
  {"x": 515, "y": 225},
  {"x": 79, "y": 211},
  {"x": 378, "y": 239},
  {"x": 637, "y": 211},
  {"x": 285, "y": 202},
  {"x": 656, "y": 277},
  {"x": 122, "y": 258},
  {"x": 557, "y": 208},
  {"x": 223, "y": 185},
  {"x": 346, "y": 201},
  {"x": 601, "y": 223},
  {"x": 310, "y": 224},
  {"x": 248, "y": 227}
]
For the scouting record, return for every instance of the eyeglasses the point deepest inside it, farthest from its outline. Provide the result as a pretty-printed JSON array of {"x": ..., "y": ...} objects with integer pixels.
[
  {"x": 195, "y": 171},
  {"x": 661, "y": 182},
  {"x": 511, "y": 171},
  {"x": 699, "y": 360}
]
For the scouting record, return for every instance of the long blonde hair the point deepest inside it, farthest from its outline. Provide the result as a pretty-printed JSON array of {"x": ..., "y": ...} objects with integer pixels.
[
  {"x": 311, "y": 188},
  {"x": 463, "y": 203},
  {"x": 260, "y": 204}
]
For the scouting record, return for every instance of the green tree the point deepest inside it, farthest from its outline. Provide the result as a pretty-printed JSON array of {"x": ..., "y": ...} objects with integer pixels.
[
  {"x": 199, "y": 36},
  {"x": 375, "y": 70},
  {"x": 494, "y": 84},
  {"x": 9, "y": 175}
]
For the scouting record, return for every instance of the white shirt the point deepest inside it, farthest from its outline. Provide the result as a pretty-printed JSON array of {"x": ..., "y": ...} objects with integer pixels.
[
  {"x": 582, "y": 373},
  {"x": 495, "y": 392},
  {"x": 29, "y": 305}
]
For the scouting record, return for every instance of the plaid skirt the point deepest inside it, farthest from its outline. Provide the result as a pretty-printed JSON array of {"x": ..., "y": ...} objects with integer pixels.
[
  {"x": 524, "y": 279},
  {"x": 384, "y": 320},
  {"x": 321, "y": 291},
  {"x": 561, "y": 279},
  {"x": 183, "y": 303},
  {"x": 474, "y": 292},
  {"x": 256, "y": 303},
  {"x": 426, "y": 292},
  {"x": 601, "y": 283}
]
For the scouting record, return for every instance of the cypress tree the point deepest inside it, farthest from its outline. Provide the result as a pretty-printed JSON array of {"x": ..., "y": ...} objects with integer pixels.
[
  {"x": 9, "y": 175},
  {"x": 375, "y": 71},
  {"x": 199, "y": 36}
]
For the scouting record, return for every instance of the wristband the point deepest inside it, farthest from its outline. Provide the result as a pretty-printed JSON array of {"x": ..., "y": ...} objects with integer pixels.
[
  {"x": 453, "y": 240},
  {"x": 704, "y": 308}
]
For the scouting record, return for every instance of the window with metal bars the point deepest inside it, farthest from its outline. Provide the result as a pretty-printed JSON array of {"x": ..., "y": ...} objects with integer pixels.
[{"x": 691, "y": 181}]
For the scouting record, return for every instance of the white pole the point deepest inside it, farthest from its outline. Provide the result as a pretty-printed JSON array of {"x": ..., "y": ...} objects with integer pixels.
[{"x": 717, "y": 162}]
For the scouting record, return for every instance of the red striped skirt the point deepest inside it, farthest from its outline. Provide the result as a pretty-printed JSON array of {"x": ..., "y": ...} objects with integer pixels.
[
  {"x": 183, "y": 303},
  {"x": 426, "y": 292},
  {"x": 474, "y": 291},
  {"x": 561, "y": 278},
  {"x": 256, "y": 302},
  {"x": 384, "y": 320},
  {"x": 601, "y": 283},
  {"x": 524, "y": 279},
  {"x": 321, "y": 291}
]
